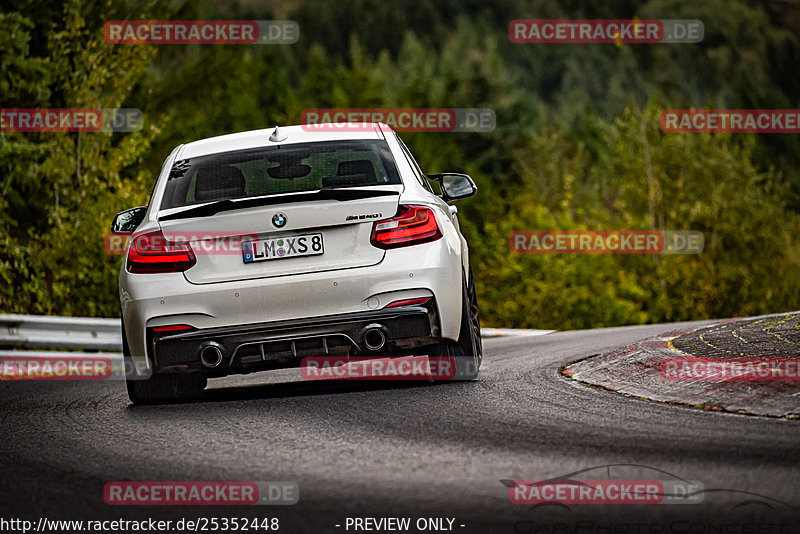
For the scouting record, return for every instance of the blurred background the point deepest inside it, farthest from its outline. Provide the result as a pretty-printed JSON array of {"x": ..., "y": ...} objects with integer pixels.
[{"x": 577, "y": 143}]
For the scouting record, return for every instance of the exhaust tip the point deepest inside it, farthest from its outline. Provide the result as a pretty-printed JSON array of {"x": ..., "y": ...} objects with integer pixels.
[
  {"x": 374, "y": 338},
  {"x": 211, "y": 354}
]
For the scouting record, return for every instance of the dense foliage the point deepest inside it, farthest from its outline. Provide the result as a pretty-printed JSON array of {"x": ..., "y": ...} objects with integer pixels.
[{"x": 577, "y": 143}]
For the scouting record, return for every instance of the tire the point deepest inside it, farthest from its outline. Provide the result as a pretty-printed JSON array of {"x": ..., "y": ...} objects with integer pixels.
[
  {"x": 157, "y": 388},
  {"x": 468, "y": 350}
]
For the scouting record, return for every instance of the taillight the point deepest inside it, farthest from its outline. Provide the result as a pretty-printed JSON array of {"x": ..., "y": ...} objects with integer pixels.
[
  {"x": 411, "y": 226},
  {"x": 153, "y": 253}
]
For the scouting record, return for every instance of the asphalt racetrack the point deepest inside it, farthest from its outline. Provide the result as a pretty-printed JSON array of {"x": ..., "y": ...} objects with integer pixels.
[{"x": 379, "y": 450}]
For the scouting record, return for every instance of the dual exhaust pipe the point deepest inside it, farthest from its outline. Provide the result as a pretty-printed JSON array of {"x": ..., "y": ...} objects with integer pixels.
[{"x": 211, "y": 352}]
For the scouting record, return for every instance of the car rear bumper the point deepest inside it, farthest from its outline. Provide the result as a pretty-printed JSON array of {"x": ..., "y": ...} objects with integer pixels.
[
  {"x": 159, "y": 300},
  {"x": 280, "y": 344}
]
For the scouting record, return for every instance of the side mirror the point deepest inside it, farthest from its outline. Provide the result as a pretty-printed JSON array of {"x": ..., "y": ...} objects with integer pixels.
[
  {"x": 127, "y": 221},
  {"x": 454, "y": 185}
]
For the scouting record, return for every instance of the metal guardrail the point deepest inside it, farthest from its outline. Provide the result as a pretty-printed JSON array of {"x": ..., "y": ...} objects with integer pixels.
[
  {"x": 44, "y": 331},
  {"x": 86, "y": 333},
  {"x": 516, "y": 332}
]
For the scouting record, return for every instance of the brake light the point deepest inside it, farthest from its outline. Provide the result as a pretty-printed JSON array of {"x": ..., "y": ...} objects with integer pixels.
[
  {"x": 408, "y": 302},
  {"x": 153, "y": 253},
  {"x": 412, "y": 225}
]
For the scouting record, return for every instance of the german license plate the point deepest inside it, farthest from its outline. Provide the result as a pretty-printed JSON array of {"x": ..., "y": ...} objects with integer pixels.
[{"x": 280, "y": 248}]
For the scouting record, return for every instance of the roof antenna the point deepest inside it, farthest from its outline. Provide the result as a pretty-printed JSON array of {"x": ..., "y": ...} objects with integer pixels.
[{"x": 277, "y": 135}]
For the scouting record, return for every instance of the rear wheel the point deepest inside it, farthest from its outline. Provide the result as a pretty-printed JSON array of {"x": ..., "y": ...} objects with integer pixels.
[
  {"x": 158, "y": 388},
  {"x": 468, "y": 350}
]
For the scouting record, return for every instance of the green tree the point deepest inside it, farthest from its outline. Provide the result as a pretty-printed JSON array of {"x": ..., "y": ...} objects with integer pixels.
[{"x": 61, "y": 189}]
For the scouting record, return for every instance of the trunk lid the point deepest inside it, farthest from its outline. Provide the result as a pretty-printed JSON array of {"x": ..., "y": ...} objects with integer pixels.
[{"x": 306, "y": 236}]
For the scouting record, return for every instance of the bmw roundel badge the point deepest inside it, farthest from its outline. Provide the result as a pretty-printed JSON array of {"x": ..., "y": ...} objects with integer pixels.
[{"x": 279, "y": 220}]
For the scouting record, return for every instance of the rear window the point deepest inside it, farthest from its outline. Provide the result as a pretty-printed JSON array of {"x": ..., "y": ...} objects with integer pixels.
[{"x": 280, "y": 169}]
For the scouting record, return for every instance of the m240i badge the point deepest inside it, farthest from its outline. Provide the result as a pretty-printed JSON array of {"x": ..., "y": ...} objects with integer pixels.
[{"x": 364, "y": 216}]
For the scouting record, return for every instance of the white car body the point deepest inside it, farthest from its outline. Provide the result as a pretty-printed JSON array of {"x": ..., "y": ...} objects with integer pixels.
[{"x": 350, "y": 279}]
